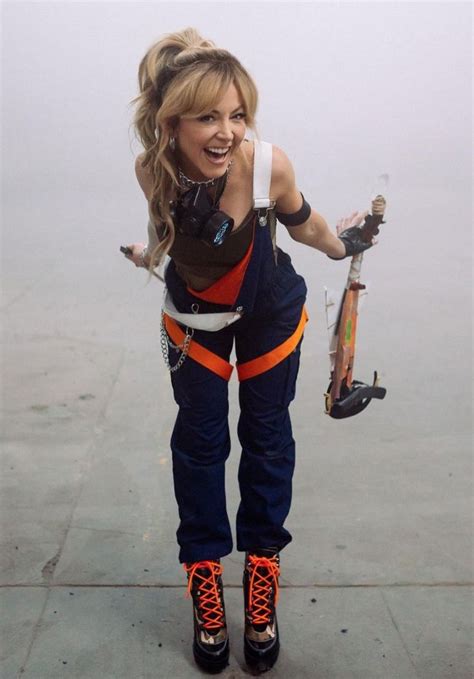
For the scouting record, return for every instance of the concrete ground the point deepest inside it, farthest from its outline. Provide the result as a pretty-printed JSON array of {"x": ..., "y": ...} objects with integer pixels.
[{"x": 377, "y": 581}]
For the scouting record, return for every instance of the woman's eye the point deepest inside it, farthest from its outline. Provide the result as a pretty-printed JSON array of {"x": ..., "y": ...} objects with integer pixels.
[{"x": 210, "y": 118}]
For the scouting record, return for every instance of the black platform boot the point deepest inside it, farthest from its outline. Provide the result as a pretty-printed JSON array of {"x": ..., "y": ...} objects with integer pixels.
[
  {"x": 211, "y": 642},
  {"x": 261, "y": 639}
]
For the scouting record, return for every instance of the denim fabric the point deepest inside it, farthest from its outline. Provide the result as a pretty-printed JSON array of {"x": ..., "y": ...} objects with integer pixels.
[{"x": 274, "y": 296}]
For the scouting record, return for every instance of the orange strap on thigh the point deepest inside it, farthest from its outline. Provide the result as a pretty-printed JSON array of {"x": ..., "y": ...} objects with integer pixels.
[
  {"x": 263, "y": 363},
  {"x": 197, "y": 352}
]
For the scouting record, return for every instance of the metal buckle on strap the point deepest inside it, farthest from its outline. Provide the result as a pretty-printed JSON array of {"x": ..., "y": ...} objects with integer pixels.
[
  {"x": 263, "y": 215},
  {"x": 262, "y": 207}
]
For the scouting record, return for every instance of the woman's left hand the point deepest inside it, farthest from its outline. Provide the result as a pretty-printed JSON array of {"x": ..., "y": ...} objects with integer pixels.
[
  {"x": 355, "y": 219},
  {"x": 349, "y": 232}
]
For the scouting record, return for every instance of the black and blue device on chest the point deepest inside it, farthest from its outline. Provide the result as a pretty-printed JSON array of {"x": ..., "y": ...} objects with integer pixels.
[{"x": 196, "y": 214}]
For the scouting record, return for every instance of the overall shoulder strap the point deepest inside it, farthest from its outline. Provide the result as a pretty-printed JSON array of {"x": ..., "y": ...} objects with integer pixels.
[{"x": 262, "y": 175}]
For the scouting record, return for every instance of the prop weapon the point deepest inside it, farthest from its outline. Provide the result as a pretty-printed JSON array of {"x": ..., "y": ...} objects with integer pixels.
[
  {"x": 345, "y": 396},
  {"x": 127, "y": 251}
]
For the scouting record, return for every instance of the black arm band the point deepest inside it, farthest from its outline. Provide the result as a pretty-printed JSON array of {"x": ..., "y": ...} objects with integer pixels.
[{"x": 296, "y": 218}]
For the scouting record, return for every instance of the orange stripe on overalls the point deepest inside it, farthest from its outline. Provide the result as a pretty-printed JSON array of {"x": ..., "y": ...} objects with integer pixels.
[
  {"x": 199, "y": 353},
  {"x": 225, "y": 291},
  {"x": 269, "y": 360}
]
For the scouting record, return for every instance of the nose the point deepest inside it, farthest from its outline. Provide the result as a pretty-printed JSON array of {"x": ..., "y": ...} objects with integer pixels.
[{"x": 225, "y": 130}]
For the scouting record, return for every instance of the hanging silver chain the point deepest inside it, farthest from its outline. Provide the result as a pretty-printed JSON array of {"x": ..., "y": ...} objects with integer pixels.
[{"x": 166, "y": 342}]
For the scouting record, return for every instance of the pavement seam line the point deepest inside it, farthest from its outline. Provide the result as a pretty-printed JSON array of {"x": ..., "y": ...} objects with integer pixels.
[
  {"x": 26, "y": 291},
  {"x": 50, "y": 567},
  {"x": 394, "y": 623},
  {"x": 94, "y": 585},
  {"x": 34, "y": 634},
  {"x": 52, "y": 563}
]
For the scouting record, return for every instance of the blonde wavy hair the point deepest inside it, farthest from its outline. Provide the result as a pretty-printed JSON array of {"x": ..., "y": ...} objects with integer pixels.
[{"x": 181, "y": 74}]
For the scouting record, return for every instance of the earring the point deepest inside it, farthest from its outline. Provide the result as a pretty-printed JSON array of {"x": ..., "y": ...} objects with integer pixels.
[{"x": 173, "y": 144}]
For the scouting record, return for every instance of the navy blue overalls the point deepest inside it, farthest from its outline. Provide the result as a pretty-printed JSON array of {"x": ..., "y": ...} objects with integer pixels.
[{"x": 267, "y": 344}]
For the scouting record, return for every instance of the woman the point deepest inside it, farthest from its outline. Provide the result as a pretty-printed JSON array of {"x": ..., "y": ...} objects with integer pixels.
[{"x": 195, "y": 106}]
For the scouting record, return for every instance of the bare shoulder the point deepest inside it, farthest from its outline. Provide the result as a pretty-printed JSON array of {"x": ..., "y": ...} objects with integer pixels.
[
  {"x": 283, "y": 185},
  {"x": 246, "y": 153},
  {"x": 144, "y": 176},
  {"x": 283, "y": 174}
]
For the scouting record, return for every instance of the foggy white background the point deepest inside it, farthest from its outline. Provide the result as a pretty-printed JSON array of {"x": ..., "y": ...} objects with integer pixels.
[{"x": 348, "y": 90}]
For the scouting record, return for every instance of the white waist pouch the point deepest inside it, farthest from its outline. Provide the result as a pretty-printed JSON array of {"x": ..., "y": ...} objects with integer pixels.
[{"x": 211, "y": 322}]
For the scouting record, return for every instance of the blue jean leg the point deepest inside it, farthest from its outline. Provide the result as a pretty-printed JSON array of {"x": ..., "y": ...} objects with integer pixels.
[
  {"x": 268, "y": 456},
  {"x": 200, "y": 446}
]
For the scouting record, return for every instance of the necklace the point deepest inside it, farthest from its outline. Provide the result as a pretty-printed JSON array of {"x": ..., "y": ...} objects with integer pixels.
[{"x": 190, "y": 183}]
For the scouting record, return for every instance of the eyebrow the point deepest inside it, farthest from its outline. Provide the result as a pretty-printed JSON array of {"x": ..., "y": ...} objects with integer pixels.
[{"x": 234, "y": 111}]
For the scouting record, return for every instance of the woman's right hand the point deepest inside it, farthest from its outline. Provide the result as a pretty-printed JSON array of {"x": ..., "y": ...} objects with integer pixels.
[{"x": 137, "y": 249}]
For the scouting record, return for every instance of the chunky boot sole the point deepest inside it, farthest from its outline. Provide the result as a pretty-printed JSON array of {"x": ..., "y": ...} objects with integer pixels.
[
  {"x": 261, "y": 661},
  {"x": 212, "y": 663}
]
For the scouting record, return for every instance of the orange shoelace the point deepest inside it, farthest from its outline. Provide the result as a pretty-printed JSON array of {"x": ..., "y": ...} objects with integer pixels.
[
  {"x": 260, "y": 585},
  {"x": 209, "y": 603}
]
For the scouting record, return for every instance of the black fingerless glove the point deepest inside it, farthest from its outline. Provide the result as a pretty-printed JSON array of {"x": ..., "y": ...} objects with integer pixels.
[{"x": 352, "y": 239}]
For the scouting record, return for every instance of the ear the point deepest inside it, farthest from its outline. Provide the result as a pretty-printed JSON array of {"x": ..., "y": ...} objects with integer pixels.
[{"x": 171, "y": 126}]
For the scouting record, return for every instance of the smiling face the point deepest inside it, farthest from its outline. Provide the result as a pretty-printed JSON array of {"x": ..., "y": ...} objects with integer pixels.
[{"x": 205, "y": 144}]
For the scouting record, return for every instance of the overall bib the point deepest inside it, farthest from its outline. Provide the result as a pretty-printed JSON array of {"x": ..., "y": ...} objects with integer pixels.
[{"x": 270, "y": 295}]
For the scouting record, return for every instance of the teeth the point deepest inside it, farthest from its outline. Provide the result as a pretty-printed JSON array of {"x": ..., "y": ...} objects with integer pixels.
[{"x": 221, "y": 151}]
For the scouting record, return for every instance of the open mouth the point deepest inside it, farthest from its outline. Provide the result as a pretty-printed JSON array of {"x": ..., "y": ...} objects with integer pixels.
[{"x": 217, "y": 155}]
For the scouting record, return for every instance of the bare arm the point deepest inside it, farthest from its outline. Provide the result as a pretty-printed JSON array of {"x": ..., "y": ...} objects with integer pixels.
[
  {"x": 144, "y": 176},
  {"x": 315, "y": 231},
  {"x": 145, "y": 180}
]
